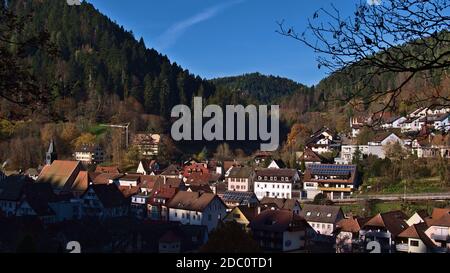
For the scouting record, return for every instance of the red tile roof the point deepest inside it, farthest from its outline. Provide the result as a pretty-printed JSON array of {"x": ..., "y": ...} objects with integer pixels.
[
  {"x": 107, "y": 169},
  {"x": 192, "y": 201},
  {"x": 61, "y": 174}
]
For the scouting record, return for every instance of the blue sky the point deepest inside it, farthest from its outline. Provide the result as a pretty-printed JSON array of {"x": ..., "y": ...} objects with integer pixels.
[{"x": 215, "y": 38}]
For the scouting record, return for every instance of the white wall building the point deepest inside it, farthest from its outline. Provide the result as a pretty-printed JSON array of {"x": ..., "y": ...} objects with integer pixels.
[
  {"x": 275, "y": 182},
  {"x": 193, "y": 208}
]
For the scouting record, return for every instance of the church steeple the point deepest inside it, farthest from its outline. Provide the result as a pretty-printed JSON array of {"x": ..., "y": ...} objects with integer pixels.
[{"x": 51, "y": 153}]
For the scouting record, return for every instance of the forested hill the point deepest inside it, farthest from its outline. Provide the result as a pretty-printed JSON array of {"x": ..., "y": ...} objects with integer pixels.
[
  {"x": 99, "y": 59},
  {"x": 265, "y": 89}
]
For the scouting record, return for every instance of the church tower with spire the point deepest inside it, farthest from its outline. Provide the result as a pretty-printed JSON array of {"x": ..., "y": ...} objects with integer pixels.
[{"x": 51, "y": 153}]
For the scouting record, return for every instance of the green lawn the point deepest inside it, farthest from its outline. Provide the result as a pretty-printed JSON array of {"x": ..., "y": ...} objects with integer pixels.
[
  {"x": 379, "y": 207},
  {"x": 423, "y": 185}
]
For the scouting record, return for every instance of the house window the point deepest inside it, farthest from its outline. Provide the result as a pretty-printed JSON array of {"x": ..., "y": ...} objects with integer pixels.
[
  {"x": 414, "y": 243},
  {"x": 308, "y": 213}
]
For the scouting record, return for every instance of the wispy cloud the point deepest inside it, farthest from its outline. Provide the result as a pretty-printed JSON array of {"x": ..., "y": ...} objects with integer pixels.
[{"x": 171, "y": 35}]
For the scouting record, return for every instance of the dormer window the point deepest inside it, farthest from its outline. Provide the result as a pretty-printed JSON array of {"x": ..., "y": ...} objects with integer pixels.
[
  {"x": 329, "y": 215},
  {"x": 282, "y": 178},
  {"x": 308, "y": 213}
]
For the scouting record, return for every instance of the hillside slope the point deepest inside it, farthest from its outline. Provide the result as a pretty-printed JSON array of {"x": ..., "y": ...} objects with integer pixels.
[{"x": 99, "y": 59}]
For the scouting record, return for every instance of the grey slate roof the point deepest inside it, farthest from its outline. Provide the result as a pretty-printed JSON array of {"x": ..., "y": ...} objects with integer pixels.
[{"x": 321, "y": 214}]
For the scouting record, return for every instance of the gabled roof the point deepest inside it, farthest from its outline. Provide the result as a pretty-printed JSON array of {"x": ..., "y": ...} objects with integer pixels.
[
  {"x": 61, "y": 174},
  {"x": 109, "y": 195},
  {"x": 148, "y": 181},
  {"x": 192, "y": 201},
  {"x": 417, "y": 231},
  {"x": 279, "y": 163},
  {"x": 103, "y": 178},
  {"x": 309, "y": 155},
  {"x": 279, "y": 203},
  {"x": 198, "y": 179},
  {"x": 128, "y": 191},
  {"x": 439, "y": 217},
  {"x": 164, "y": 182},
  {"x": 382, "y": 135},
  {"x": 171, "y": 170},
  {"x": 318, "y": 135},
  {"x": 200, "y": 188},
  {"x": 164, "y": 193},
  {"x": 249, "y": 212},
  {"x": 241, "y": 172},
  {"x": 278, "y": 221},
  {"x": 107, "y": 169},
  {"x": 321, "y": 214},
  {"x": 351, "y": 224},
  {"x": 81, "y": 182},
  {"x": 344, "y": 173},
  {"x": 393, "y": 221}
]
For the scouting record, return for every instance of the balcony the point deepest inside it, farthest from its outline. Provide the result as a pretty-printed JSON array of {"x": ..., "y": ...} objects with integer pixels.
[
  {"x": 330, "y": 189},
  {"x": 441, "y": 237},
  {"x": 402, "y": 248}
]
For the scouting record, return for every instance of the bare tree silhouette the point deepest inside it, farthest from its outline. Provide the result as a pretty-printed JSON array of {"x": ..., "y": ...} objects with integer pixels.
[{"x": 410, "y": 38}]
